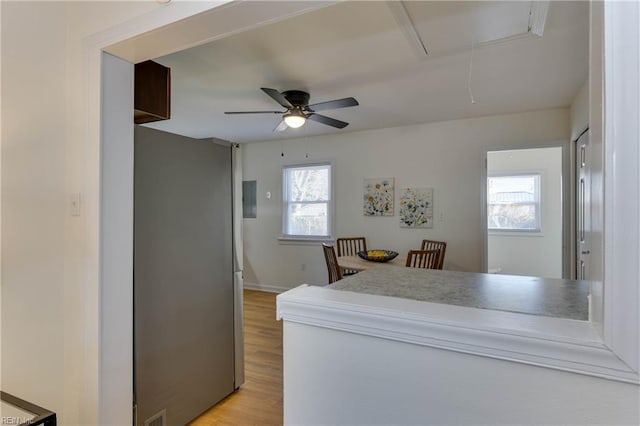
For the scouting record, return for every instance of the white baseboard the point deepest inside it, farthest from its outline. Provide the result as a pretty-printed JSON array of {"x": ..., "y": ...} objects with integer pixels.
[{"x": 265, "y": 287}]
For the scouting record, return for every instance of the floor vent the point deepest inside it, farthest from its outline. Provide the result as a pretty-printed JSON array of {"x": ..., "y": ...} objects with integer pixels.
[{"x": 158, "y": 419}]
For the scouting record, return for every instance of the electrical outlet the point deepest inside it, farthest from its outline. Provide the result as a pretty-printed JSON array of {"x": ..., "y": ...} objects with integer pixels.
[{"x": 441, "y": 217}]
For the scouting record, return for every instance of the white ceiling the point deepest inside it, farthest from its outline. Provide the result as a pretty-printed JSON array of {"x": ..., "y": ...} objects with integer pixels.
[{"x": 368, "y": 50}]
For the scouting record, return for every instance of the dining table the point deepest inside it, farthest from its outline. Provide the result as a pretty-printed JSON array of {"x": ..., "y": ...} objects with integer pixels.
[{"x": 356, "y": 263}]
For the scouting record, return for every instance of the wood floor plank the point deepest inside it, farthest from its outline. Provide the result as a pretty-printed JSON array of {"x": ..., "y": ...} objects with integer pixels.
[{"x": 259, "y": 399}]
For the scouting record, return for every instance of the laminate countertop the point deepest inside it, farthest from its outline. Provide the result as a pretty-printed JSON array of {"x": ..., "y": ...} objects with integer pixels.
[{"x": 512, "y": 293}]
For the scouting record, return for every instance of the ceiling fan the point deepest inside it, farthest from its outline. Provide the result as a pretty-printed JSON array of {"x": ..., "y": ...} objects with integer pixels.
[{"x": 298, "y": 110}]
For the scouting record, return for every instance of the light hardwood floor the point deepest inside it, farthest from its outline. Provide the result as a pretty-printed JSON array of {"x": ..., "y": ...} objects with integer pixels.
[{"x": 259, "y": 400}]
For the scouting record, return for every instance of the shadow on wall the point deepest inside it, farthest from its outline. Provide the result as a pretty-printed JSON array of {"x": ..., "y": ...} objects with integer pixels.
[{"x": 248, "y": 273}]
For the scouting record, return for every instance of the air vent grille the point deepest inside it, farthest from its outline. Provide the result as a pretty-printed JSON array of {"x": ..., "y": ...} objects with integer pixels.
[{"x": 158, "y": 419}]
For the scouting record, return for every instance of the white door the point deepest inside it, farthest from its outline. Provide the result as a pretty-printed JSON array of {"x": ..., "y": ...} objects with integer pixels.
[{"x": 583, "y": 202}]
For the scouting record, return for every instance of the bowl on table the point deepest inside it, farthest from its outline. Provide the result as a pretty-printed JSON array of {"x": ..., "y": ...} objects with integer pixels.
[{"x": 377, "y": 255}]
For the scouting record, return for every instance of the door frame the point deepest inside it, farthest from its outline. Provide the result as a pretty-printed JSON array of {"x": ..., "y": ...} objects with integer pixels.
[
  {"x": 107, "y": 396},
  {"x": 565, "y": 194},
  {"x": 150, "y": 35}
]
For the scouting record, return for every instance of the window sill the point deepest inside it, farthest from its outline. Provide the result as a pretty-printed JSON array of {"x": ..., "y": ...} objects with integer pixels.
[
  {"x": 519, "y": 234},
  {"x": 305, "y": 241}
]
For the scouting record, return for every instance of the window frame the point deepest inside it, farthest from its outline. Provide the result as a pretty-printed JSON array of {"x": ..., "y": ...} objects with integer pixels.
[
  {"x": 286, "y": 237},
  {"x": 538, "y": 203}
]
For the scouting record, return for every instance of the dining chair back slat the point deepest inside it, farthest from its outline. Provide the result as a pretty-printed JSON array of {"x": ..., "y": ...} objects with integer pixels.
[
  {"x": 426, "y": 259},
  {"x": 350, "y": 246},
  {"x": 436, "y": 245},
  {"x": 332, "y": 263}
]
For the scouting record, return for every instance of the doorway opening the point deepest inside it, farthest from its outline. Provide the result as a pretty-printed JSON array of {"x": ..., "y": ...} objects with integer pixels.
[{"x": 524, "y": 209}]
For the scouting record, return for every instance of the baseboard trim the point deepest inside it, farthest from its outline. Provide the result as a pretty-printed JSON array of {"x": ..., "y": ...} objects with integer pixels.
[{"x": 265, "y": 287}]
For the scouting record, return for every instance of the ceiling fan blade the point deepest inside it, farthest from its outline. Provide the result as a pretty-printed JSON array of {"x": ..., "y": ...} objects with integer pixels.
[
  {"x": 277, "y": 96},
  {"x": 281, "y": 127},
  {"x": 338, "y": 103},
  {"x": 255, "y": 112},
  {"x": 327, "y": 120}
]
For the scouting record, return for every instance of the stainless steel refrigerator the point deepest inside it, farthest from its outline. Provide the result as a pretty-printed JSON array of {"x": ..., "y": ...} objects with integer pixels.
[{"x": 184, "y": 304}]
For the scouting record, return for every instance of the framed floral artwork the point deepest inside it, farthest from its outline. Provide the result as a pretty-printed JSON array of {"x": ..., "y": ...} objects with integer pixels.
[
  {"x": 416, "y": 208},
  {"x": 378, "y": 197}
]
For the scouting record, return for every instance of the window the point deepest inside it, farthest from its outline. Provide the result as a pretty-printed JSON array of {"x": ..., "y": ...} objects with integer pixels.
[
  {"x": 513, "y": 203},
  {"x": 308, "y": 207}
]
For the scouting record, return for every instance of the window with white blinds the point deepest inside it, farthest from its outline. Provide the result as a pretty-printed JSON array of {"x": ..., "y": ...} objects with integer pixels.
[
  {"x": 513, "y": 203},
  {"x": 308, "y": 201}
]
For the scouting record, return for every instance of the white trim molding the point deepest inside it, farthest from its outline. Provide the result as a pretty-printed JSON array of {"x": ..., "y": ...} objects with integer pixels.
[
  {"x": 562, "y": 344},
  {"x": 622, "y": 180}
]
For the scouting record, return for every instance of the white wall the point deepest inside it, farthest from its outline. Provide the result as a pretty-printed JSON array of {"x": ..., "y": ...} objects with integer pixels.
[
  {"x": 447, "y": 156},
  {"x": 43, "y": 163},
  {"x": 336, "y": 378},
  {"x": 33, "y": 201},
  {"x": 116, "y": 293},
  {"x": 535, "y": 254},
  {"x": 579, "y": 112}
]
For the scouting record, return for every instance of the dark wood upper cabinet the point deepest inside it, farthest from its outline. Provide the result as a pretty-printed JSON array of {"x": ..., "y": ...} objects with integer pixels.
[{"x": 152, "y": 92}]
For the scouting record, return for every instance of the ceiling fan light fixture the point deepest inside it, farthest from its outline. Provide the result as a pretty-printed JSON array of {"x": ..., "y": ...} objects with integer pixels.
[
  {"x": 295, "y": 119},
  {"x": 298, "y": 109}
]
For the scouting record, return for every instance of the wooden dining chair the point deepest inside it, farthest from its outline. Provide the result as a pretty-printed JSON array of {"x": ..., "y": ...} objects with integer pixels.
[
  {"x": 435, "y": 245},
  {"x": 332, "y": 263},
  {"x": 427, "y": 259},
  {"x": 350, "y": 246}
]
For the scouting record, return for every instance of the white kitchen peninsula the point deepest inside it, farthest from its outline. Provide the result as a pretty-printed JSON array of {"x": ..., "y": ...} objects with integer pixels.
[
  {"x": 403, "y": 346},
  {"x": 511, "y": 293}
]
